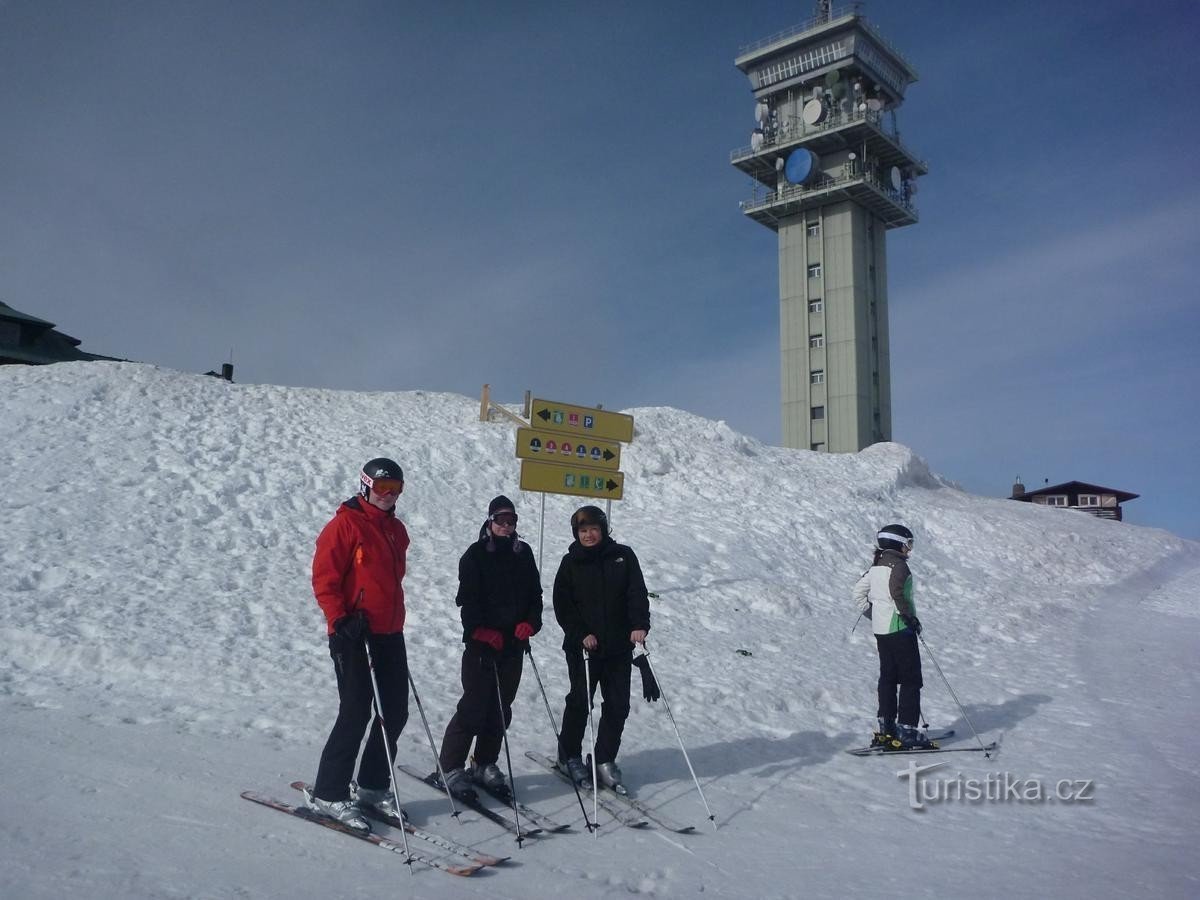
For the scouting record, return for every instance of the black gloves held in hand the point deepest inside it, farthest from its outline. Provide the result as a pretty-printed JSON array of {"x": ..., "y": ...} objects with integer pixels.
[
  {"x": 912, "y": 622},
  {"x": 649, "y": 686},
  {"x": 352, "y": 627}
]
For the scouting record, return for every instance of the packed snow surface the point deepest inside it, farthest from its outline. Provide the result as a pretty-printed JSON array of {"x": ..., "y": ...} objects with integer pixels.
[{"x": 163, "y": 652}]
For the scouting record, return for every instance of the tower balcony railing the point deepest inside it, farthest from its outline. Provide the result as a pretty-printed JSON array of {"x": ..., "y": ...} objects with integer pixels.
[
  {"x": 796, "y": 131},
  {"x": 788, "y": 194},
  {"x": 845, "y": 12}
]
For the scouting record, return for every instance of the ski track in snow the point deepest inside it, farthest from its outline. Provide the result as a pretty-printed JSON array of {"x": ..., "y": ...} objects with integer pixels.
[{"x": 164, "y": 652}]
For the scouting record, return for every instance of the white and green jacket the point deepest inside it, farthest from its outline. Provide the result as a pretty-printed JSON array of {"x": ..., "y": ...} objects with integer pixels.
[{"x": 888, "y": 587}]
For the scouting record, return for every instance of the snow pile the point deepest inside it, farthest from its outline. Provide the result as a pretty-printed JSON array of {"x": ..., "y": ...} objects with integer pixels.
[{"x": 154, "y": 574}]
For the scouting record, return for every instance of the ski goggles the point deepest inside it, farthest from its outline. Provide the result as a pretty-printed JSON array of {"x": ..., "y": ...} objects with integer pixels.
[
  {"x": 383, "y": 486},
  {"x": 506, "y": 520}
]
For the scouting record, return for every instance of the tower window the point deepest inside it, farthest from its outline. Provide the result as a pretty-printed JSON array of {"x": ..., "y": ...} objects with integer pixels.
[
  {"x": 815, "y": 306},
  {"x": 818, "y": 412},
  {"x": 814, "y": 270},
  {"x": 814, "y": 229},
  {"x": 816, "y": 341},
  {"x": 816, "y": 376}
]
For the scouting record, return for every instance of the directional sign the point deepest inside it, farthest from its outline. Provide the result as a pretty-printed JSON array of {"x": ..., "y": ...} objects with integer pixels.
[
  {"x": 553, "y": 446},
  {"x": 581, "y": 420},
  {"x": 580, "y": 481}
]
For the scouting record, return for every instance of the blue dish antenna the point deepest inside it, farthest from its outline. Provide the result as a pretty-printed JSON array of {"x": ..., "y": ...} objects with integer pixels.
[{"x": 801, "y": 166}]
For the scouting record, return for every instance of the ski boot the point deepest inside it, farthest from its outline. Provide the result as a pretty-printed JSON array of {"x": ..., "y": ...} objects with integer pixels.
[
  {"x": 491, "y": 778},
  {"x": 909, "y": 738},
  {"x": 610, "y": 777},
  {"x": 574, "y": 769},
  {"x": 382, "y": 800},
  {"x": 458, "y": 782},
  {"x": 344, "y": 811}
]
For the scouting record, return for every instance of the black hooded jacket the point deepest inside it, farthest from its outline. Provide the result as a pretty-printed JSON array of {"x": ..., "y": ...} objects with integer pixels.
[
  {"x": 499, "y": 588},
  {"x": 600, "y": 590}
]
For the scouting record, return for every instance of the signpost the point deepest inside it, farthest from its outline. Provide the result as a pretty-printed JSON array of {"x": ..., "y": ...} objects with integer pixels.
[
  {"x": 573, "y": 450},
  {"x": 560, "y": 447}
]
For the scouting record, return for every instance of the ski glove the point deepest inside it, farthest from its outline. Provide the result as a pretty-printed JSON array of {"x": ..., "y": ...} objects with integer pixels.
[
  {"x": 353, "y": 627},
  {"x": 524, "y": 631},
  {"x": 649, "y": 686},
  {"x": 912, "y": 622},
  {"x": 489, "y": 636}
]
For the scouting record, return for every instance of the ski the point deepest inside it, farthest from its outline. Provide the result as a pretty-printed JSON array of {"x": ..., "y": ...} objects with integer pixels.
[
  {"x": 626, "y": 810},
  {"x": 431, "y": 837},
  {"x": 879, "y": 751},
  {"x": 477, "y": 805},
  {"x": 539, "y": 819},
  {"x": 303, "y": 812}
]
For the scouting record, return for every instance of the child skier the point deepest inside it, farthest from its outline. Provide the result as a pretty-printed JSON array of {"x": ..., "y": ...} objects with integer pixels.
[{"x": 885, "y": 594}]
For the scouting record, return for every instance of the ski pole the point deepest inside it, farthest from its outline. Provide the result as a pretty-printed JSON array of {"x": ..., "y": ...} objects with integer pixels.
[
  {"x": 436, "y": 760},
  {"x": 587, "y": 677},
  {"x": 387, "y": 750},
  {"x": 512, "y": 785},
  {"x": 932, "y": 659},
  {"x": 557, "y": 736},
  {"x": 667, "y": 704}
]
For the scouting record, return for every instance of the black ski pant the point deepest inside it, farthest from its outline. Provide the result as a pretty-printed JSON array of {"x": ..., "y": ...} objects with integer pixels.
[
  {"x": 478, "y": 714},
  {"x": 899, "y": 667},
  {"x": 612, "y": 674},
  {"x": 355, "y": 714}
]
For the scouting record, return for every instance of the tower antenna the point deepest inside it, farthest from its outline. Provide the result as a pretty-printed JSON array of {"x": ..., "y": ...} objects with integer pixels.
[{"x": 823, "y": 10}]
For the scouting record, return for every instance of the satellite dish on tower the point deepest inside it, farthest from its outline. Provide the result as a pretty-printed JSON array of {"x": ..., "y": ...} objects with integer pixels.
[
  {"x": 760, "y": 112},
  {"x": 801, "y": 166},
  {"x": 896, "y": 180},
  {"x": 875, "y": 104},
  {"x": 814, "y": 112},
  {"x": 756, "y": 139}
]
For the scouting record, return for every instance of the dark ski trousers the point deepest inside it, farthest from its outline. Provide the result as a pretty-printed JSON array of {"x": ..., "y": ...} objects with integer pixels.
[
  {"x": 612, "y": 674},
  {"x": 478, "y": 714},
  {"x": 899, "y": 666},
  {"x": 356, "y": 714}
]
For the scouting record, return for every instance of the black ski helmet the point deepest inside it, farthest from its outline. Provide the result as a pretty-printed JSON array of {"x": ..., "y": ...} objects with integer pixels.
[
  {"x": 380, "y": 467},
  {"x": 589, "y": 515},
  {"x": 894, "y": 537}
]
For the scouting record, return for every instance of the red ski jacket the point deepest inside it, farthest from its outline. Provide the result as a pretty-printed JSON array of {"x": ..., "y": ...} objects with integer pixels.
[{"x": 359, "y": 564}]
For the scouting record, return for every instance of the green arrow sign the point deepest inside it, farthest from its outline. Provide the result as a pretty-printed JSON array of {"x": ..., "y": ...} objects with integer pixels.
[
  {"x": 579, "y": 481},
  {"x": 565, "y": 449}
]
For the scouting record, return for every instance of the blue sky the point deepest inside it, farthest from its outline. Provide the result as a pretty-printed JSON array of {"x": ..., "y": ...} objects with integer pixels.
[{"x": 391, "y": 196}]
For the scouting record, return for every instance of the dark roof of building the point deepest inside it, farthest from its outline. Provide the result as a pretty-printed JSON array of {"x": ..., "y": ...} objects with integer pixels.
[
  {"x": 7, "y": 312},
  {"x": 1081, "y": 487},
  {"x": 39, "y": 341}
]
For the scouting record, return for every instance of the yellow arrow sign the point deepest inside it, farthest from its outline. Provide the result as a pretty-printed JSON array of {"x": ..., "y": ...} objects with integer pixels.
[
  {"x": 581, "y": 420},
  {"x": 559, "y": 447},
  {"x": 580, "y": 481}
]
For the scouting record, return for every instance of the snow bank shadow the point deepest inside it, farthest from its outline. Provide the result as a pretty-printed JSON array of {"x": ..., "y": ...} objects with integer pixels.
[
  {"x": 1000, "y": 717},
  {"x": 801, "y": 748}
]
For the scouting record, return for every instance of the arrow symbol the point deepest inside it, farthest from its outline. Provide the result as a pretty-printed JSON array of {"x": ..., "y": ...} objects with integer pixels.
[
  {"x": 608, "y": 454},
  {"x": 544, "y": 415},
  {"x": 612, "y": 485}
]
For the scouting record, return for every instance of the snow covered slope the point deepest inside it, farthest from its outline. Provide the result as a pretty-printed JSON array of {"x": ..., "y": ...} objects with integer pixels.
[{"x": 162, "y": 652}]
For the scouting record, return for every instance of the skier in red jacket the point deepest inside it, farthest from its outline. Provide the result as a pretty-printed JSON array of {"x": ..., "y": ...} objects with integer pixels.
[{"x": 358, "y": 570}]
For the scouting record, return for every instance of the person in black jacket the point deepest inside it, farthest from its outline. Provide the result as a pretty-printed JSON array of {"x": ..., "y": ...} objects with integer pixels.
[
  {"x": 500, "y": 595},
  {"x": 600, "y": 600}
]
